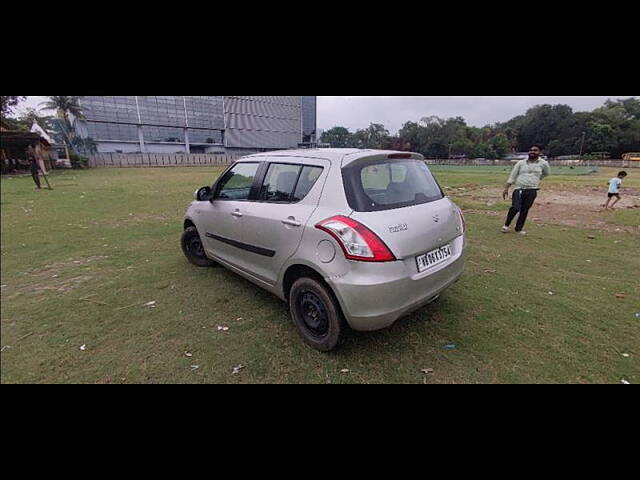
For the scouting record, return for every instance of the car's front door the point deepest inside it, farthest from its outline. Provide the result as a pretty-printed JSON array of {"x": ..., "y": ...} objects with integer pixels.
[
  {"x": 274, "y": 223},
  {"x": 222, "y": 218}
]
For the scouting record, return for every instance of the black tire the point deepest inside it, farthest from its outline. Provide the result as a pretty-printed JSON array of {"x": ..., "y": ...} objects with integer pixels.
[
  {"x": 316, "y": 314},
  {"x": 193, "y": 248}
]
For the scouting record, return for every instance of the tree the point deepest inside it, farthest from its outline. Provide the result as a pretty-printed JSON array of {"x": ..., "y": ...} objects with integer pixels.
[
  {"x": 374, "y": 136},
  {"x": 65, "y": 107},
  {"x": 359, "y": 139},
  {"x": 544, "y": 123},
  {"x": 337, "y": 137},
  {"x": 7, "y": 104},
  {"x": 84, "y": 146},
  {"x": 411, "y": 133},
  {"x": 6, "y": 108},
  {"x": 500, "y": 145},
  {"x": 399, "y": 143},
  {"x": 630, "y": 107},
  {"x": 600, "y": 137},
  {"x": 615, "y": 127}
]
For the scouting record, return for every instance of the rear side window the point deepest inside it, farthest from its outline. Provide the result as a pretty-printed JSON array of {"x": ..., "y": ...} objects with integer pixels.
[
  {"x": 287, "y": 182},
  {"x": 385, "y": 185},
  {"x": 307, "y": 180}
]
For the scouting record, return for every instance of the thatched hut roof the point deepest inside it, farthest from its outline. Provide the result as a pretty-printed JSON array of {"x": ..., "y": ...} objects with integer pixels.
[{"x": 12, "y": 138}]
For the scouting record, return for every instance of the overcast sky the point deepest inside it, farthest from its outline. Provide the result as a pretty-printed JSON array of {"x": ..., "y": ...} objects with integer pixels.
[{"x": 393, "y": 112}]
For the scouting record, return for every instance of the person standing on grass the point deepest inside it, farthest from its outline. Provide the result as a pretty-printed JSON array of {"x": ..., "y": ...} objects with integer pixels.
[
  {"x": 35, "y": 168},
  {"x": 614, "y": 190},
  {"x": 526, "y": 176}
]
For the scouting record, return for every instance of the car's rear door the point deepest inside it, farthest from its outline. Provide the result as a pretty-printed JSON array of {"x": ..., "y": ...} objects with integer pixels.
[
  {"x": 402, "y": 203},
  {"x": 273, "y": 225}
]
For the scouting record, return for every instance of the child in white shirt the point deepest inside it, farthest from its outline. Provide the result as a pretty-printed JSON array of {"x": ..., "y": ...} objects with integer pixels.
[{"x": 614, "y": 190}]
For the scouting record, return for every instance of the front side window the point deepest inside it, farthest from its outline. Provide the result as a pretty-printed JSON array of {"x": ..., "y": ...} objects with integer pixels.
[
  {"x": 236, "y": 183},
  {"x": 375, "y": 186}
]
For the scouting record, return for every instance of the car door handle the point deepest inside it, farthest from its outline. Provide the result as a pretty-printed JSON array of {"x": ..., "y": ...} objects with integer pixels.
[
  {"x": 237, "y": 214},
  {"x": 291, "y": 221}
]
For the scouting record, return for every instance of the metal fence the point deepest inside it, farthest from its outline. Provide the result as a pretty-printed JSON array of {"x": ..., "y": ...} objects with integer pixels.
[
  {"x": 118, "y": 160},
  {"x": 203, "y": 159}
]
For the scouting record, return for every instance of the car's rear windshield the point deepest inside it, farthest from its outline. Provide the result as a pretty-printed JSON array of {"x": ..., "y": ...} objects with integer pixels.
[{"x": 388, "y": 184}]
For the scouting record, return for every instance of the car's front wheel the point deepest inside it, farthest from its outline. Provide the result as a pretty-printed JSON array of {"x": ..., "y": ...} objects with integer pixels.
[
  {"x": 194, "y": 249},
  {"x": 316, "y": 314}
]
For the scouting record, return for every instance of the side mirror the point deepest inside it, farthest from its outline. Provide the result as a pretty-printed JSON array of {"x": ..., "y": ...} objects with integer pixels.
[{"x": 203, "y": 194}]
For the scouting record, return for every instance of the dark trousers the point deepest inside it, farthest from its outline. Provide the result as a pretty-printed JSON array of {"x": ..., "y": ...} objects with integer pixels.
[
  {"x": 521, "y": 201},
  {"x": 35, "y": 176}
]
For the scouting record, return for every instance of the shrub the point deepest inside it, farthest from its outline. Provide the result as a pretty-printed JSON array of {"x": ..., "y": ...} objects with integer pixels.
[{"x": 78, "y": 161}]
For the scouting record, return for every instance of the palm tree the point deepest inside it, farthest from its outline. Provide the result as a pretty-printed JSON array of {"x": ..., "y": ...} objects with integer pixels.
[
  {"x": 64, "y": 107},
  {"x": 84, "y": 145}
]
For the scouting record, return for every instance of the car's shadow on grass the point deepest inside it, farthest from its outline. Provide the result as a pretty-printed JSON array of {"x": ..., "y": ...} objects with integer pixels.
[
  {"x": 424, "y": 322},
  {"x": 398, "y": 336},
  {"x": 237, "y": 283}
]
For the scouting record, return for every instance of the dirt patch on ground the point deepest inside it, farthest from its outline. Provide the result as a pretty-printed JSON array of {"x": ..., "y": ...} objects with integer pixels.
[
  {"x": 574, "y": 207},
  {"x": 58, "y": 277},
  {"x": 52, "y": 276},
  {"x": 58, "y": 267},
  {"x": 62, "y": 285}
]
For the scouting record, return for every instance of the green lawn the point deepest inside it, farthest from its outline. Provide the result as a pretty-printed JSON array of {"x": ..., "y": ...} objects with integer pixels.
[{"x": 79, "y": 263}]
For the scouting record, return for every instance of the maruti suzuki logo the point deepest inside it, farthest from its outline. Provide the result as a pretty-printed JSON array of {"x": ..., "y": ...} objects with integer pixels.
[{"x": 436, "y": 218}]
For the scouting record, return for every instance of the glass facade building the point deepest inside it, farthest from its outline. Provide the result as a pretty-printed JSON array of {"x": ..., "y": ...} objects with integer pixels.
[
  {"x": 196, "y": 124},
  {"x": 309, "y": 116}
]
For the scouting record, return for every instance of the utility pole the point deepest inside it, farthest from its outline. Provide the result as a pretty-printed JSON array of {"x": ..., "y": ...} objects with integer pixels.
[{"x": 582, "y": 143}]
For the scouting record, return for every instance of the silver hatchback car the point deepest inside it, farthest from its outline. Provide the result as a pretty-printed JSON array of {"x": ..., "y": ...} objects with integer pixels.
[{"x": 362, "y": 236}]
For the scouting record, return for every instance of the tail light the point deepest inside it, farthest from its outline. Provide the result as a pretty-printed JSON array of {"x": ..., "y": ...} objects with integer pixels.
[
  {"x": 356, "y": 240},
  {"x": 463, "y": 225}
]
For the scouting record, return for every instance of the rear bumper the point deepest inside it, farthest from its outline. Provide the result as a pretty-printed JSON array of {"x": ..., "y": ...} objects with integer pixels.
[{"x": 375, "y": 295}]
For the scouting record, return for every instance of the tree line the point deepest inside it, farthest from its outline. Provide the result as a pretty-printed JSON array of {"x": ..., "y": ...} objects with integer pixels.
[{"x": 609, "y": 131}]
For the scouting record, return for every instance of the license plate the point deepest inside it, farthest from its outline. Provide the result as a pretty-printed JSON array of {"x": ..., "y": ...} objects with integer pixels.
[{"x": 434, "y": 257}]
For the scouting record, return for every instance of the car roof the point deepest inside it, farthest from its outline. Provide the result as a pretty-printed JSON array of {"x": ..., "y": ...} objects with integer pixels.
[{"x": 344, "y": 155}]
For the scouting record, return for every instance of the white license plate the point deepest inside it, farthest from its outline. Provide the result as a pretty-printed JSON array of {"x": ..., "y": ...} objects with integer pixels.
[{"x": 434, "y": 257}]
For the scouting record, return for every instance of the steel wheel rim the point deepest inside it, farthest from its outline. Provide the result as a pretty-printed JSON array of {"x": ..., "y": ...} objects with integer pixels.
[
  {"x": 313, "y": 313},
  {"x": 195, "y": 247}
]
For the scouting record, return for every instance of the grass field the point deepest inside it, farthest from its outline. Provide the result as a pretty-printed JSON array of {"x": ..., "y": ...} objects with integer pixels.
[
  {"x": 80, "y": 262},
  {"x": 561, "y": 170}
]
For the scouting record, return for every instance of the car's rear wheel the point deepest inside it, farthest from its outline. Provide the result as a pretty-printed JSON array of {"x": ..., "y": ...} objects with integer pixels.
[
  {"x": 316, "y": 314},
  {"x": 194, "y": 249}
]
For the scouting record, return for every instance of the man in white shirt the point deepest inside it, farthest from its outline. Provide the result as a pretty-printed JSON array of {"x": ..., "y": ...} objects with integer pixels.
[{"x": 526, "y": 176}]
